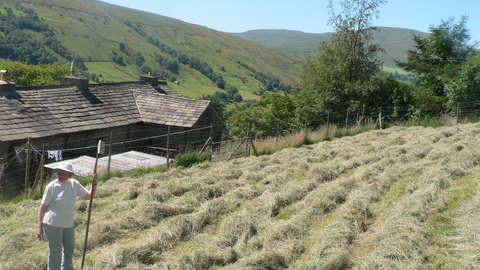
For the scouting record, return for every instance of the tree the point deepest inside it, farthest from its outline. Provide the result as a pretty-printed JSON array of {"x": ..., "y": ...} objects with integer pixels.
[
  {"x": 172, "y": 65},
  {"x": 465, "y": 87},
  {"x": 262, "y": 116},
  {"x": 232, "y": 90},
  {"x": 341, "y": 72},
  {"x": 121, "y": 45},
  {"x": 218, "y": 104},
  {"x": 237, "y": 97},
  {"x": 436, "y": 59},
  {"x": 221, "y": 83},
  {"x": 221, "y": 96},
  {"x": 24, "y": 74},
  {"x": 246, "y": 115}
]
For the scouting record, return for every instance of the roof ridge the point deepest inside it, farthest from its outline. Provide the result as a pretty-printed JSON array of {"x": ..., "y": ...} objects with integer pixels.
[{"x": 179, "y": 97}]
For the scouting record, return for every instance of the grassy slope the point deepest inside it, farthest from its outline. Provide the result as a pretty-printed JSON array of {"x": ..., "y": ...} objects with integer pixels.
[
  {"x": 400, "y": 198},
  {"x": 94, "y": 29},
  {"x": 395, "y": 41}
]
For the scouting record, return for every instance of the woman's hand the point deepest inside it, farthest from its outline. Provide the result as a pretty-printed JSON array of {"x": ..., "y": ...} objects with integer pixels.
[
  {"x": 93, "y": 189},
  {"x": 40, "y": 233},
  {"x": 95, "y": 178},
  {"x": 41, "y": 214}
]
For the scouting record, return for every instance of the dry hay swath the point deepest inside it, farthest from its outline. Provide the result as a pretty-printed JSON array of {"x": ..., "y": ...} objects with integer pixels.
[{"x": 361, "y": 202}]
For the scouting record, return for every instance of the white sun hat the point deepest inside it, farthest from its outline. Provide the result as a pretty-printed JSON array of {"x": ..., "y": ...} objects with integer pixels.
[{"x": 65, "y": 166}]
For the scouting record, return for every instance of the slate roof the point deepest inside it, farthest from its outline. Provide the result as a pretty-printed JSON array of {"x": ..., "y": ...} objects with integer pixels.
[
  {"x": 46, "y": 111},
  {"x": 169, "y": 110}
]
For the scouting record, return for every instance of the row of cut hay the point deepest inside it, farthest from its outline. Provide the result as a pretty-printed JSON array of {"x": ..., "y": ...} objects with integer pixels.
[
  {"x": 210, "y": 202},
  {"x": 360, "y": 201},
  {"x": 280, "y": 191},
  {"x": 363, "y": 201},
  {"x": 275, "y": 184},
  {"x": 249, "y": 259},
  {"x": 401, "y": 238},
  {"x": 278, "y": 243},
  {"x": 170, "y": 233},
  {"x": 19, "y": 245},
  {"x": 465, "y": 243}
]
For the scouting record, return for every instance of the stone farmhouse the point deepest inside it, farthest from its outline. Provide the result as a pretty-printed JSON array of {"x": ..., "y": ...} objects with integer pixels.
[{"x": 74, "y": 115}]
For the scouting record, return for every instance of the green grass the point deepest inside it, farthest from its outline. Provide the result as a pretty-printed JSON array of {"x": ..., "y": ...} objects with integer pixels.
[
  {"x": 188, "y": 159},
  {"x": 398, "y": 190},
  {"x": 392, "y": 69},
  {"x": 441, "y": 225},
  {"x": 111, "y": 71}
]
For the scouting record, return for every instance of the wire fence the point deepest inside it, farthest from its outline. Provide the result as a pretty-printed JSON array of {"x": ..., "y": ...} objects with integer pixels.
[
  {"x": 349, "y": 119},
  {"x": 228, "y": 149},
  {"x": 22, "y": 168}
]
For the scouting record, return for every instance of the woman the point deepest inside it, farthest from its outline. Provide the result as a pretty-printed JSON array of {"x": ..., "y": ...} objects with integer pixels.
[{"x": 57, "y": 214}]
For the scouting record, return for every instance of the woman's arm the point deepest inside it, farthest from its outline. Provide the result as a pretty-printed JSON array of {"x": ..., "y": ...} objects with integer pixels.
[
  {"x": 93, "y": 189},
  {"x": 41, "y": 214}
]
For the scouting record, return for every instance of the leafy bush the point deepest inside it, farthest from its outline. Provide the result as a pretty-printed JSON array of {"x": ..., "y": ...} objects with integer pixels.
[
  {"x": 24, "y": 74},
  {"x": 188, "y": 159}
]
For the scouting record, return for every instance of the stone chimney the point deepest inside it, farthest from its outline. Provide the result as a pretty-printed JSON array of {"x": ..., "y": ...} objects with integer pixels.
[
  {"x": 73, "y": 69},
  {"x": 80, "y": 83},
  {"x": 152, "y": 80},
  {"x": 6, "y": 88}
]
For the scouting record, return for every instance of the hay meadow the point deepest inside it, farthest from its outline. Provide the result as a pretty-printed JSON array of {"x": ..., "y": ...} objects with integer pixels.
[{"x": 398, "y": 198}]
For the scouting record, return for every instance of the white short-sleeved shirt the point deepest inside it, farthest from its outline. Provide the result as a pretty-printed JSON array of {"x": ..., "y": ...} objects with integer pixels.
[{"x": 60, "y": 199}]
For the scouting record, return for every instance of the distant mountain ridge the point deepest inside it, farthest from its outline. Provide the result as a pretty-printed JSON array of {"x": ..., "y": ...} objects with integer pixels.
[{"x": 395, "y": 41}]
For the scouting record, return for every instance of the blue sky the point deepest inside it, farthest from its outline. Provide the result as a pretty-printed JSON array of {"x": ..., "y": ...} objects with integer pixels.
[{"x": 305, "y": 15}]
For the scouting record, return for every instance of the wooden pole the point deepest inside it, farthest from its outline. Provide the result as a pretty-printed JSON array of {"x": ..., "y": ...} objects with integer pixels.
[
  {"x": 42, "y": 168},
  {"x": 211, "y": 141},
  {"x": 380, "y": 118},
  {"x": 168, "y": 147},
  {"x": 110, "y": 149},
  {"x": 328, "y": 121},
  {"x": 27, "y": 168},
  {"x": 250, "y": 139},
  {"x": 458, "y": 105},
  {"x": 363, "y": 114},
  {"x": 100, "y": 149},
  {"x": 278, "y": 133},
  {"x": 346, "y": 121}
]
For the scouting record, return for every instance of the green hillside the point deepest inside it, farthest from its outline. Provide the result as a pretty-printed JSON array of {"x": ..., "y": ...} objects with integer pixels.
[
  {"x": 398, "y": 198},
  {"x": 395, "y": 41},
  {"x": 119, "y": 44}
]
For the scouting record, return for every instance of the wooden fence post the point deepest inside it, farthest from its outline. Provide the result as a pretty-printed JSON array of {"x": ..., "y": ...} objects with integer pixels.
[
  {"x": 250, "y": 139},
  {"x": 380, "y": 118},
  {"x": 328, "y": 121},
  {"x": 363, "y": 114},
  {"x": 278, "y": 133},
  {"x": 27, "y": 168},
  {"x": 211, "y": 141},
  {"x": 458, "y": 105},
  {"x": 346, "y": 121},
  {"x": 110, "y": 148},
  {"x": 168, "y": 147},
  {"x": 42, "y": 169}
]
